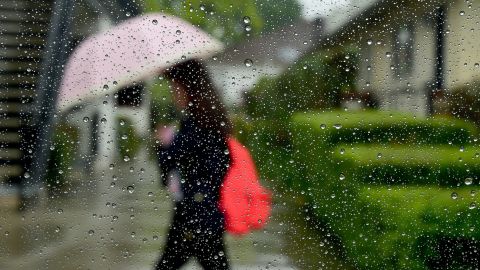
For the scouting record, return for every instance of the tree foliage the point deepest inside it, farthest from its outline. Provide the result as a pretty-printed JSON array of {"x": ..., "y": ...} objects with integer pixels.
[
  {"x": 227, "y": 20},
  {"x": 317, "y": 81}
]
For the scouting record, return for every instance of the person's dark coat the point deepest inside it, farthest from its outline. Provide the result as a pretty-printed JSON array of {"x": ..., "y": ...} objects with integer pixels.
[{"x": 202, "y": 159}]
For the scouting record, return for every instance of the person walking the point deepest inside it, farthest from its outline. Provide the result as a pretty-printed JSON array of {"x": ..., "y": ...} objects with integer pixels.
[{"x": 199, "y": 153}]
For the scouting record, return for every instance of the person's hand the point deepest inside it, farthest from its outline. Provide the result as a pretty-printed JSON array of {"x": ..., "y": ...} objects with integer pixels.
[{"x": 165, "y": 134}]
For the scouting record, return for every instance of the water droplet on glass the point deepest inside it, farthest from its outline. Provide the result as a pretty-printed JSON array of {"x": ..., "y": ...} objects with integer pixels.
[
  {"x": 130, "y": 189},
  {"x": 155, "y": 22},
  {"x": 472, "y": 206},
  {"x": 91, "y": 232},
  {"x": 379, "y": 155},
  {"x": 342, "y": 176},
  {"x": 342, "y": 151},
  {"x": 178, "y": 32},
  {"x": 128, "y": 14},
  {"x": 103, "y": 120},
  {"x": 60, "y": 211},
  {"x": 388, "y": 54},
  {"x": 202, "y": 7},
  {"x": 323, "y": 126},
  {"x": 124, "y": 136},
  {"x": 122, "y": 122},
  {"x": 468, "y": 181},
  {"x": 26, "y": 175},
  {"x": 462, "y": 13},
  {"x": 126, "y": 158},
  {"x": 86, "y": 119},
  {"x": 105, "y": 87},
  {"x": 337, "y": 126},
  {"x": 246, "y": 19},
  {"x": 248, "y": 28},
  {"x": 369, "y": 42},
  {"x": 454, "y": 195},
  {"x": 248, "y": 62}
]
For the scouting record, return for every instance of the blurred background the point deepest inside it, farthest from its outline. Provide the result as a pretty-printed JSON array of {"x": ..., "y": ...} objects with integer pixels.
[{"x": 362, "y": 117}]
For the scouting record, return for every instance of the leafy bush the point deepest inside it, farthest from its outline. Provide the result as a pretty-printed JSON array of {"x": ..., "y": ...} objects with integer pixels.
[
  {"x": 62, "y": 155},
  {"x": 465, "y": 103},
  {"x": 129, "y": 141},
  {"x": 317, "y": 81},
  {"x": 383, "y": 224}
]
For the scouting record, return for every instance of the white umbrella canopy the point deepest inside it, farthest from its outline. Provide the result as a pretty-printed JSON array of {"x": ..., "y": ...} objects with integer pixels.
[{"x": 131, "y": 51}]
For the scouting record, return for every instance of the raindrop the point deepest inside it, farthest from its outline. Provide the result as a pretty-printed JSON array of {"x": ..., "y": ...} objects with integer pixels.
[
  {"x": 126, "y": 158},
  {"x": 155, "y": 237},
  {"x": 105, "y": 87},
  {"x": 477, "y": 65},
  {"x": 130, "y": 189},
  {"x": 379, "y": 155},
  {"x": 342, "y": 176},
  {"x": 323, "y": 126},
  {"x": 178, "y": 32},
  {"x": 150, "y": 194},
  {"x": 454, "y": 195},
  {"x": 472, "y": 206},
  {"x": 26, "y": 175},
  {"x": 248, "y": 62},
  {"x": 115, "y": 83},
  {"x": 462, "y": 13},
  {"x": 122, "y": 122},
  {"x": 103, "y": 120},
  {"x": 202, "y": 7},
  {"x": 369, "y": 42},
  {"x": 337, "y": 126},
  {"x": 29, "y": 70},
  {"x": 462, "y": 148},
  {"x": 60, "y": 211},
  {"x": 248, "y": 28},
  {"x": 342, "y": 151},
  {"x": 128, "y": 14},
  {"x": 91, "y": 232},
  {"x": 468, "y": 181},
  {"x": 246, "y": 19},
  {"x": 388, "y": 54},
  {"x": 124, "y": 136},
  {"x": 57, "y": 229},
  {"x": 86, "y": 119},
  {"x": 155, "y": 22}
]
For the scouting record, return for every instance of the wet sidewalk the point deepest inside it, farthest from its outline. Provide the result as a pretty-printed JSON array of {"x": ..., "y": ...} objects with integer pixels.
[{"x": 118, "y": 219}]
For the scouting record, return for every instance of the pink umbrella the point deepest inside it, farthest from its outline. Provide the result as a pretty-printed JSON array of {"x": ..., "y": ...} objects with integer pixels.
[{"x": 131, "y": 51}]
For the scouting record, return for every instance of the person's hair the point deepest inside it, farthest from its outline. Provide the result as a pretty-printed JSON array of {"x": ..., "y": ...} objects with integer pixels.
[{"x": 205, "y": 105}]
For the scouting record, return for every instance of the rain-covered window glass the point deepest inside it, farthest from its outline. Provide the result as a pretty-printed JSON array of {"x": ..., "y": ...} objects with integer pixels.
[{"x": 227, "y": 134}]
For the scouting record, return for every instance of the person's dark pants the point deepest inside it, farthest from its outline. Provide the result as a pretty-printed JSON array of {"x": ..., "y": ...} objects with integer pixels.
[{"x": 185, "y": 242}]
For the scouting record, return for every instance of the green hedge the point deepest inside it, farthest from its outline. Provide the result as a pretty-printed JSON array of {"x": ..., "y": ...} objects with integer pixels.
[
  {"x": 385, "y": 226},
  {"x": 388, "y": 227},
  {"x": 400, "y": 164}
]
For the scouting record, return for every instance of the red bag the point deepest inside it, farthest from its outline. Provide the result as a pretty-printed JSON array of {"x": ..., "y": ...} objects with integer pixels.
[{"x": 246, "y": 204}]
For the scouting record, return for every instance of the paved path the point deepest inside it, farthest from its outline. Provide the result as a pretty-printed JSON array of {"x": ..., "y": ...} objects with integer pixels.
[{"x": 118, "y": 219}]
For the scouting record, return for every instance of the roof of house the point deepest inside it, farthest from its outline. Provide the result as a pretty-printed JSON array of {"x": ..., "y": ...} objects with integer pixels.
[{"x": 280, "y": 47}]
